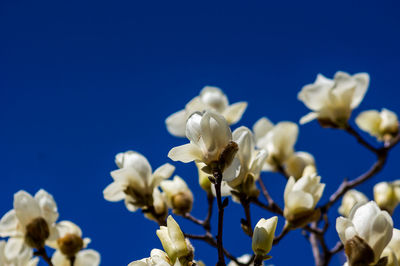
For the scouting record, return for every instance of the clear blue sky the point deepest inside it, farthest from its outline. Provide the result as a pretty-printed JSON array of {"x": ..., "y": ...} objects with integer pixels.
[{"x": 83, "y": 80}]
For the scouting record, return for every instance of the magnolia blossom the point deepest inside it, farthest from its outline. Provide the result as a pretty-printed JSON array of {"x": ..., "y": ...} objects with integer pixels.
[
  {"x": 332, "y": 101},
  {"x": 278, "y": 140},
  {"x": 135, "y": 182},
  {"x": 24, "y": 258},
  {"x": 263, "y": 236},
  {"x": 387, "y": 195},
  {"x": 351, "y": 199},
  {"x": 251, "y": 162},
  {"x": 71, "y": 244},
  {"x": 366, "y": 225},
  {"x": 174, "y": 242},
  {"x": 384, "y": 125},
  {"x": 31, "y": 222},
  {"x": 210, "y": 138},
  {"x": 300, "y": 197},
  {"x": 390, "y": 256},
  {"x": 298, "y": 162},
  {"x": 178, "y": 195},
  {"x": 210, "y": 98}
]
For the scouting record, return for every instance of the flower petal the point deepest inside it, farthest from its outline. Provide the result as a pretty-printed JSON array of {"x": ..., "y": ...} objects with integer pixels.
[
  {"x": 185, "y": 153},
  {"x": 13, "y": 247},
  {"x": 161, "y": 173},
  {"x": 8, "y": 224},
  {"x": 262, "y": 127},
  {"x": 132, "y": 159},
  {"x": 234, "y": 112},
  {"x": 114, "y": 192},
  {"x": 87, "y": 257},
  {"x": 26, "y": 207},
  {"x": 176, "y": 123},
  {"x": 308, "y": 118},
  {"x": 47, "y": 205}
]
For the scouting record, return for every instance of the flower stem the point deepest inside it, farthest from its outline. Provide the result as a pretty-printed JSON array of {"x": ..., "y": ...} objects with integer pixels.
[{"x": 43, "y": 254}]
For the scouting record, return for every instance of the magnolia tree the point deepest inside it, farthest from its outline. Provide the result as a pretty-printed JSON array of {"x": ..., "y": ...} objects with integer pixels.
[{"x": 229, "y": 167}]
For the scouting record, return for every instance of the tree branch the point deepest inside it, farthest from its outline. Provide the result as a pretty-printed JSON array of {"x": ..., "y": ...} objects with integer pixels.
[
  {"x": 217, "y": 173},
  {"x": 43, "y": 254}
]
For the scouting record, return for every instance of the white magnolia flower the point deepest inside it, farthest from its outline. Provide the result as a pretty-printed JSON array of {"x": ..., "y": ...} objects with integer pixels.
[
  {"x": 384, "y": 125},
  {"x": 332, "y": 101},
  {"x": 31, "y": 222},
  {"x": 86, "y": 257},
  {"x": 387, "y": 195},
  {"x": 178, "y": 194},
  {"x": 24, "y": 258},
  {"x": 351, "y": 199},
  {"x": 263, "y": 236},
  {"x": 301, "y": 197},
  {"x": 173, "y": 240},
  {"x": 278, "y": 140},
  {"x": 211, "y": 98},
  {"x": 135, "y": 182},
  {"x": 251, "y": 161},
  {"x": 298, "y": 162},
  {"x": 210, "y": 137},
  {"x": 394, "y": 244},
  {"x": 369, "y": 224}
]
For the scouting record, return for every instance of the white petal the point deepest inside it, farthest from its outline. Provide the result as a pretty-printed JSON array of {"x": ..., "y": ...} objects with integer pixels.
[
  {"x": 185, "y": 153},
  {"x": 176, "y": 124},
  {"x": 58, "y": 259},
  {"x": 8, "y": 224},
  {"x": 298, "y": 201},
  {"x": 135, "y": 160},
  {"x": 308, "y": 118},
  {"x": 213, "y": 97},
  {"x": 13, "y": 247},
  {"x": 314, "y": 95},
  {"x": 129, "y": 176},
  {"x": 369, "y": 121},
  {"x": 234, "y": 112},
  {"x": 362, "y": 80},
  {"x": 262, "y": 127},
  {"x": 161, "y": 173},
  {"x": 232, "y": 171},
  {"x": 341, "y": 225},
  {"x": 47, "y": 205},
  {"x": 26, "y": 207},
  {"x": 193, "y": 128},
  {"x": 114, "y": 192},
  {"x": 88, "y": 257}
]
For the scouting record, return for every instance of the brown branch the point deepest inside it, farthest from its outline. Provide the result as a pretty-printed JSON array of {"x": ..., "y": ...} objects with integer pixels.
[
  {"x": 217, "y": 173},
  {"x": 43, "y": 254},
  {"x": 189, "y": 217},
  {"x": 349, "y": 129},
  {"x": 247, "y": 222},
  {"x": 210, "y": 201},
  {"x": 271, "y": 203}
]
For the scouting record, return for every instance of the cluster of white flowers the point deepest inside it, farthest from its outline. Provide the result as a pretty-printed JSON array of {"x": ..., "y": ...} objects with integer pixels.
[
  {"x": 32, "y": 225},
  {"x": 230, "y": 163}
]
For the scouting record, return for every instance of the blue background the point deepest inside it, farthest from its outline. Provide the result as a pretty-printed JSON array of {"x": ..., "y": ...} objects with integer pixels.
[{"x": 83, "y": 80}]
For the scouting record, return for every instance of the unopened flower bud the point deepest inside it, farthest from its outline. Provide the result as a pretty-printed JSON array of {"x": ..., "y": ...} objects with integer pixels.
[
  {"x": 173, "y": 240},
  {"x": 204, "y": 181},
  {"x": 263, "y": 236},
  {"x": 37, "y": 231},
  {"x": 383, "y": 125},
  {"x": 385, "y": 196},
  {"x": 70, "y": 244},
  {"x": 351, "y": 199}
]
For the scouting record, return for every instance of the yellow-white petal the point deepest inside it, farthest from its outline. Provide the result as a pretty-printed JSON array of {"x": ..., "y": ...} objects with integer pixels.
[
  {"x": 234, "y": 112},
  {"x": 185, "y": 153},
  {"x": 176, "y": 123},
  {"x": 26, "y": 207}
]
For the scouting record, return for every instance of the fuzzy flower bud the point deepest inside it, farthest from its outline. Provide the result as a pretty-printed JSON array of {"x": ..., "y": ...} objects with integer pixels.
[
  {"x": 263, "y": 236},
  {"x": 351, "y": 199}
]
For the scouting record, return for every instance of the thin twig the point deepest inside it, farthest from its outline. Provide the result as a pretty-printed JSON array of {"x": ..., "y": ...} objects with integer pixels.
[
  {"x": 281, "y": 235},
  {"x": 272, "y": 204},
  {"x": 193, "y": 219},
  {"x": 349, "y": 129},
  {"x": 210, "y": 201},
  {"x": 246, "y": 207}
]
